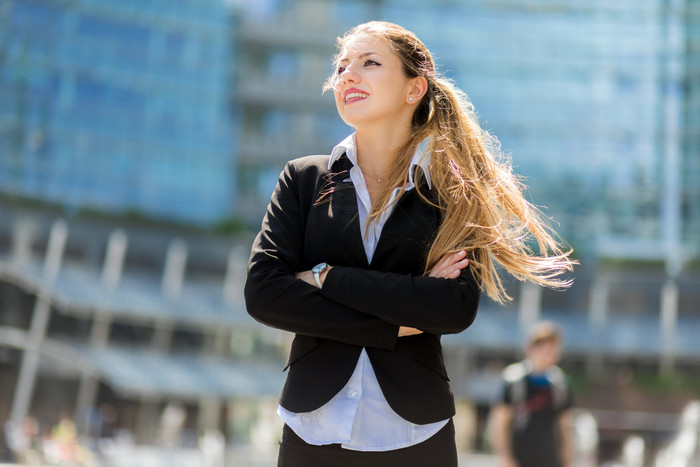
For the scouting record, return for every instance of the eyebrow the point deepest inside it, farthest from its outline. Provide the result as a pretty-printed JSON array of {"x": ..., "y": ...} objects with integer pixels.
[{"x": 362, "y": 55}]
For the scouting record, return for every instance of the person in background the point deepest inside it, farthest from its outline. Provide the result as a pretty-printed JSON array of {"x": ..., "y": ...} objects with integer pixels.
[
  {"x": 531, "y": 422},
  {"x": 372, "y": 253}
]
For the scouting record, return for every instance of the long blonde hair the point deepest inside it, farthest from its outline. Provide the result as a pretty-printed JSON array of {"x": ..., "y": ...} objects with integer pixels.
[{"x": 484, "y": 211}]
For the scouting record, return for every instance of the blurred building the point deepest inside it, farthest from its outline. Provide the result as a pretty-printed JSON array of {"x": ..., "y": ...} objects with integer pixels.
[
  {"x": 285, "y": 56},
  {"x": 205, "y": 101},
  {"x": 594, "y": 100},
  {"x": 188, "y": 111},
  {"x": 119, "y": 106},
  {"x": 589, "y": 99},
  {"x": 129, "y": 320}
]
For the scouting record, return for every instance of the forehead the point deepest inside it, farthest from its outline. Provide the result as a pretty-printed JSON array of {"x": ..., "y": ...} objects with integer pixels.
[{"x": 363, "y": 44}]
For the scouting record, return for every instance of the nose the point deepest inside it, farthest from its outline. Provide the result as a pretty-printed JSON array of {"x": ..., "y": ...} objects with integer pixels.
[{"x": 349, "y": 74}]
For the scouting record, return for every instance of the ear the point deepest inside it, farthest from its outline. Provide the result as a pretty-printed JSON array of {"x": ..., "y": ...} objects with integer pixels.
[{"x": 416, "y": 90}]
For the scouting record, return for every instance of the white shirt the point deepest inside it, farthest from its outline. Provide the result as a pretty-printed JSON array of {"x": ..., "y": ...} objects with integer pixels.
[{"x": 359, "y": 417}]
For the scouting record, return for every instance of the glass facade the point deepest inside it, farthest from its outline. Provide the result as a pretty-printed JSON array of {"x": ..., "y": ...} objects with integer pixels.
[
  {"x": 589, "y": 98},
  {"x": 691, "y": 163},
  {"x": 126, "y": 105},
  {"x": 286, "y": 49},
  {"x": 119, "y": 105},
  {"x": 596, "y": 102}
]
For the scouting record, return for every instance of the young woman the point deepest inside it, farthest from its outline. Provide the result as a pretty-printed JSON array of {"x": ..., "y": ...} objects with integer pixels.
[{"x": 370, "y": 254}]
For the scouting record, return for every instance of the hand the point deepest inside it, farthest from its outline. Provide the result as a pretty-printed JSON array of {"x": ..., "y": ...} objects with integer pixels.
[
  {"x": 308, "y": 276},
  {"x": 405, "y": 331},
  {"x": 450, "y": 265}
]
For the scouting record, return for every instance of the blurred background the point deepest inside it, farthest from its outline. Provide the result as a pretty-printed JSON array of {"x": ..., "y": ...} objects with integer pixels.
[{"x": 140, "y": 141}]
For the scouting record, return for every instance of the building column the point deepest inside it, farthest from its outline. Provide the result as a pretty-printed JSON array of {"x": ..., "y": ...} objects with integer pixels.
[
  {"x": 597, "y": 320},
  {"x": 529, "y": 304},
  {"x": 99, "y": 335},
  {"x": 598, "y": 305},
  {"x": 671, "y": 209},
  {"x": 668, "y": 324},
  {"x": 171, "y": 288},
  {"x": 40, "y": 319}
]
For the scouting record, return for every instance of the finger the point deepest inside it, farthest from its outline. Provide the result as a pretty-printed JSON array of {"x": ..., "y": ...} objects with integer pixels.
[
  {"x": 454, "y": 258},
  {"x": 441, "y": 272},
  {"x": 454, "y": 274},
  {"x": 460, "y": 254},
  {"x": 445, "y": 265},
  {"x": 449, "y": 258},
  {"x": 438, "y": 270},
  {"x": 449, "y": 271},
  {"x": 442, "y": 263}
]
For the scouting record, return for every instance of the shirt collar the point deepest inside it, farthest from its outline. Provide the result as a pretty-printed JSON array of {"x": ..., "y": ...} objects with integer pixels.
[{"x": 421, "y": 156}]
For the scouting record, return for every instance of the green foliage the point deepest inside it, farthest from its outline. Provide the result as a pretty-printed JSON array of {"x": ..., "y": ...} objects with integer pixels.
[{"x": 659, "y": 385}]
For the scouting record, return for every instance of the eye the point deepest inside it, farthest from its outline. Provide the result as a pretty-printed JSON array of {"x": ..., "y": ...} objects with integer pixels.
[
  {"x": 372, "y": 63},
  {"x": 340, "y": 70}
]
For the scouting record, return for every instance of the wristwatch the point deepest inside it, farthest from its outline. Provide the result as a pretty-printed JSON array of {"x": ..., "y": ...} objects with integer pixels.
[{"x": 317, "y": 270}]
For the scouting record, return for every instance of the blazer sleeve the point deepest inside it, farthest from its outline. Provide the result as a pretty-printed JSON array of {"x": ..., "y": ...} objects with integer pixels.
[
  {"x": 433, "y": 305},
  {"x": 275, "y": 297}
]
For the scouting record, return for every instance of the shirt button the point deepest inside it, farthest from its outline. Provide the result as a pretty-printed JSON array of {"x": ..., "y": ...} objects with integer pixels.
[{"x": 353, "y": 394}]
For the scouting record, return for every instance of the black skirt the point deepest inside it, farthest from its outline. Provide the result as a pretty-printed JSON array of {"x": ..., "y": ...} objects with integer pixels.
[{"x": 438, "y": 451}]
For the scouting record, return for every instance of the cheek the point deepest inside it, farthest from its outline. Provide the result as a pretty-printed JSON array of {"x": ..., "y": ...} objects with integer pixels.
[
  {"x": 397, "y": 91},
  {"x": 338, "y": 99},
  {"x": 339, "y": 105}
]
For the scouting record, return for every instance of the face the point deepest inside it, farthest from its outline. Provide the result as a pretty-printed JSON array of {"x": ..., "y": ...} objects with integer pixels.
[
  {"x": 370, "y": 84},
  {"x": 544, "y": 353}
]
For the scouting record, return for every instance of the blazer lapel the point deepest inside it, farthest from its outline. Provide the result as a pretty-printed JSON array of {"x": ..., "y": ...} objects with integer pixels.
[
  {"x": 407, "y": 233},
  {"x": 343, "y": 211}
]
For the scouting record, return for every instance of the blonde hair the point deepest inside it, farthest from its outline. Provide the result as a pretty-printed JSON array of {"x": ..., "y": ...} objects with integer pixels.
[{"x": 484, "y": 211}]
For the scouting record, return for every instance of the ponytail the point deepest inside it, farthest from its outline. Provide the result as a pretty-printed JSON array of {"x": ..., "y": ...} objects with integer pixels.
[{"x": 484, "y": 210}]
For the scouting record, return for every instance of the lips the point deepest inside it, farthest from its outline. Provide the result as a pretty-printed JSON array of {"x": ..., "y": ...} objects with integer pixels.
[{"x": 354, "y": 95}]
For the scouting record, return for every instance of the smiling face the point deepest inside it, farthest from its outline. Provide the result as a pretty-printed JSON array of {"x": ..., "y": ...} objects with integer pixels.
[{"x": 370, "y": 85}]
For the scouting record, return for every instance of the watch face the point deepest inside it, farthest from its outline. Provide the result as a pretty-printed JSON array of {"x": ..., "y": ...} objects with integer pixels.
[{"x": 319, "y": 267}]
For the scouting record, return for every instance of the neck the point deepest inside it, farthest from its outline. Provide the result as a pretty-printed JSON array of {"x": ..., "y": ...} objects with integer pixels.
[
  {"x": 376, "y": 148},
  {"x": 540, "y": 366}
]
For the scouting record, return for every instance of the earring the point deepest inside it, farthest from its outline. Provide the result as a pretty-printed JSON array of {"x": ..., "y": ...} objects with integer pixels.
[{"x": 410, "y": 99}]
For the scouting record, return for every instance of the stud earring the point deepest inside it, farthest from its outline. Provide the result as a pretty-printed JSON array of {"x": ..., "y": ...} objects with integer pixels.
[{"x": 410, "y": 99}]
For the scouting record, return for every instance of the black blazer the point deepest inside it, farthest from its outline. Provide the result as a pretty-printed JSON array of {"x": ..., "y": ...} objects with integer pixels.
[{"x": 361, "y": 304}]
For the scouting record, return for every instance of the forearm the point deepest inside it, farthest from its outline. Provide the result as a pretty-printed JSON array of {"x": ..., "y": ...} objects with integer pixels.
[
  {"x": 276, "y": 298},
  {"x": 499, "y": 431},
  {"x": 434, "y": 305},
  {"x": 567, "y": 442}
]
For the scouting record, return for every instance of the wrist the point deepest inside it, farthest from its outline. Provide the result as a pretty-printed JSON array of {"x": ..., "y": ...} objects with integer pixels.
[
  {"x": 320, "y": 271},
  {"x": 324, "y": 273}
]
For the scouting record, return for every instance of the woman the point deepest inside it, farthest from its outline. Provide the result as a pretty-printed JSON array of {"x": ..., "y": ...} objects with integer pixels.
[{"x": 370, "y": 254}]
